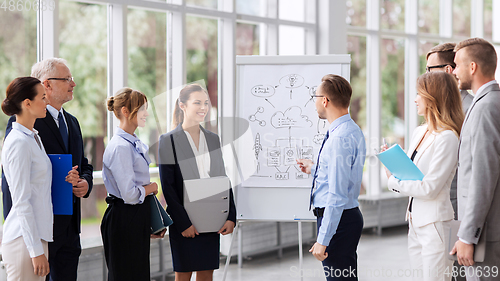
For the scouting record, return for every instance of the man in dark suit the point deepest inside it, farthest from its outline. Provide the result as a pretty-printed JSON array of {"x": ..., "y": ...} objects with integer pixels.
[{"x": 60, "y": 133}]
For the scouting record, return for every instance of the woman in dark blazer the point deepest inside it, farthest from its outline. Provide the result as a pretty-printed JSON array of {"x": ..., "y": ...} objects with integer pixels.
[{"x": 191, "y": 152}]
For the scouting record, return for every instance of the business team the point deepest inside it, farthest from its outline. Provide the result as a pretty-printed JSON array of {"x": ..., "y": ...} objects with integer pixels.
[{"x": 446, "y": 141}]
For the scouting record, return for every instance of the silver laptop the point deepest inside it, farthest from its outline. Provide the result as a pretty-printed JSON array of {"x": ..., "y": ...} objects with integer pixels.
[{"x": 207, "y": 202}]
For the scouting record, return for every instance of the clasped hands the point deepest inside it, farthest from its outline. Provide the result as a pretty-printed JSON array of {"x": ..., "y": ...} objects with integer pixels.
[{"x": 80, "y": 185}]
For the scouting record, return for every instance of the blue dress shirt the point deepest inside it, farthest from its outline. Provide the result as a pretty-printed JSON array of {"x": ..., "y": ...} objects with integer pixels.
[
  {"x": 126, "y": 167},
  {"x": 339, "y": 173}
]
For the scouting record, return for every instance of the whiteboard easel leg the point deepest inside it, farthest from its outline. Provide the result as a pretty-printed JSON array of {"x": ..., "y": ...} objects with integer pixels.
[
  {"x": 228, "y": 259},
  {"x": 301, "y": 256},
  {"x": 240, "y": 247}
]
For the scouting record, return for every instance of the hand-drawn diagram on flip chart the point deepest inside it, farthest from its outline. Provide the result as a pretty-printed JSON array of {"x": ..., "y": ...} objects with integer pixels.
[{"x": 278, "y": 102}]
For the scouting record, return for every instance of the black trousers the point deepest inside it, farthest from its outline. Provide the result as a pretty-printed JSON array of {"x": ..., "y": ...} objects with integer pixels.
[
  {"x": 342, "y": 260},
  {"x": 126, "y": 231},
  {"x": 64, "y": 254}
]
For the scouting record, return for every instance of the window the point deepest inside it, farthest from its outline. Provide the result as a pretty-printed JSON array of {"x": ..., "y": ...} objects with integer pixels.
[
  {"x": 247, "y": 39},
  {"x": 17, "y": 50},
  {"x": 212, "y": 4},
  {"x": 291, "y": 40},
  {"x": 202, "y": 59},
  {"x": 488, "y": 19},
  {"x": 392, "y": 14},
  {"x": 292, "y": 10},
  {"x": 82, "y": 42},
  {"x": 147, "y": 67},
  {"x": 428, "y": 16},
  {"x": 461, "y": 17},
  {"x": 393, "y": 97},
  {"x": 356, "y": 47},
  {"x": 356, "y": 12},
  {"x": 254, "y": 7}
]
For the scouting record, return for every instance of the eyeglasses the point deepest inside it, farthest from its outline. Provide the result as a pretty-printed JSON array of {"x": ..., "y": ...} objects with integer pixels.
[
  {"x": 428, "y": 68},
  {"x": 69, "y": 79},
  {"x": 316, "y": 96}
]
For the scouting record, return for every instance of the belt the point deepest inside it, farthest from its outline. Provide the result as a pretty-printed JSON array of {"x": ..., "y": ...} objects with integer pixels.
[{"x": 318, "y": 212}]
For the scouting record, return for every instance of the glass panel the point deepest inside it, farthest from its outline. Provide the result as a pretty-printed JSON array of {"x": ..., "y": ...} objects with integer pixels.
[
  {"x": 82, "y": 42},
  {"x": 461, "y": 17},
  {"x": 356, "y": 47},
  {"x": 423, "y": 49},
  {"x": 488, "y": 19},
  {"x": 356, "y": 12},
  {"x": 254, "y": 7},
  {"x": 147, "y": 66},
  {"x": 17, "y": 50},
  {"x": 247, "y": 39},
  {"x": 393, "y": 97},
  {"x": 291, "y": 10},
  {"x": 201, "y": 58},
  {"x": 428, "y": 16},
  {"x": 212, "y": 4},
  {"x": 392, "y": 14},
  {"x": 291, "y": 40}
]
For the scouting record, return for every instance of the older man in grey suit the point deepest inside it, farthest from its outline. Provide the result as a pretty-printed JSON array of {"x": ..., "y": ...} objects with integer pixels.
[
  {"x": 441, "y": 58},
  {"x": 479, "y": 159}
]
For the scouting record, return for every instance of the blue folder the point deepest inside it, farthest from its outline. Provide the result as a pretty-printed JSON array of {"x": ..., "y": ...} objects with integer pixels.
[
  {"x": 399, "y": 164},
  {"x": 62, "y": 191}
]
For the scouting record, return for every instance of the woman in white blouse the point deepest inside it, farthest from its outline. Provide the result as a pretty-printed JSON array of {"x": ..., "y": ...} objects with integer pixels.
[
  {"x": 191, "y": 152},
  {"x": 28, "y": 227},
  {"x": 434, "y": 149}
]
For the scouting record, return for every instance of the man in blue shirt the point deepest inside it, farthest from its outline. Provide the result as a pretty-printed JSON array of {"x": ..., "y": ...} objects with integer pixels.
[{"x": 337, "y": 181}]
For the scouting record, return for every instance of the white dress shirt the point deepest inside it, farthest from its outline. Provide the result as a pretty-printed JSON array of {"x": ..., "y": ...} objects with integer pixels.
[
  {"x": 201, "y": 154},
  {"x": 29, "y": 173},
  {"x": 55, "y": 114}
]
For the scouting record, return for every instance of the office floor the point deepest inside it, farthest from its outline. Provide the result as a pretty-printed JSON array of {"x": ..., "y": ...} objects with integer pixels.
[{"x": 379, "y": 258}]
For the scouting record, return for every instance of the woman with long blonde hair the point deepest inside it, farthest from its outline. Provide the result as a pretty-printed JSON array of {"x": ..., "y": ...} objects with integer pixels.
[{"x": 434, "y": 149}]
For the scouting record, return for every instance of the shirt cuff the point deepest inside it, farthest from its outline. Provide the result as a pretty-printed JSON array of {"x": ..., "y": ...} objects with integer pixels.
[
  {"x": 323, "y": 240},
  {"x": 36, "y": 250},
  {"x": 465, "y": 241},
  {"x": 142, "y": 194}
]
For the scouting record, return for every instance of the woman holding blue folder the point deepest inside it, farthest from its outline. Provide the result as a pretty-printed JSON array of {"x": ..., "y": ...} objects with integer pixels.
[
  {"x": 191, "y": 152},
  {"x": 28, "y": 227},
  {"x": 126, "y": 225},
  {"x": 434, "y": 150}
]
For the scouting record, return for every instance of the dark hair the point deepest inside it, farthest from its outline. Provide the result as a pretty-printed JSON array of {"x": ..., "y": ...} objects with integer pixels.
[
  {"x": 128, "y": 98},
  {"x": 337, "y": 89},
  {"x": 18, "y": 90},
  {"x": 184, "y": 97},
  {"x": 482, "y": 53},
  {"x": 445, "y": 53}
]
